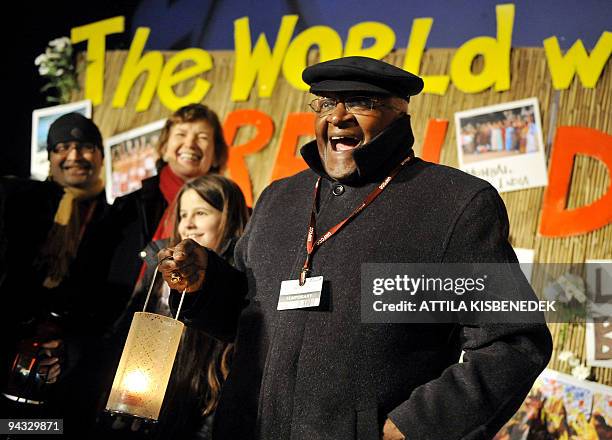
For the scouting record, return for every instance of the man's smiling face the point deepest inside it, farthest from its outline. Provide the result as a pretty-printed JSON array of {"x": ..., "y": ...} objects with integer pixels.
[
  {"x": 75, "y": 164},
  {"x": 339, "y": 132}
]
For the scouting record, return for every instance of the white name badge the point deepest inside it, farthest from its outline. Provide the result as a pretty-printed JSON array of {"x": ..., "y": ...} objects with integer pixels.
[{"x": 294, "y": 296}]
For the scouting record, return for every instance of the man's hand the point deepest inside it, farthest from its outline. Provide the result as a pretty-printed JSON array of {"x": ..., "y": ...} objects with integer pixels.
[
  {"x": 184, "y": 266},
  {"x": 390, "y": 431},
  {"x": 50, "y": 365}
]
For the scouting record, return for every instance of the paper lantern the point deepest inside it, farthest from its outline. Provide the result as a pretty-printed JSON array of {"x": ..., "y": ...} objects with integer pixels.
[
  {"x": 146, "y": 362},
  {"x": 145, "y": 366}
]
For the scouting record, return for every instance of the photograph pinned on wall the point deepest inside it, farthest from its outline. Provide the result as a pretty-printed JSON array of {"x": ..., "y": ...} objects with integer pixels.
[
  {"x": 503, "y": 144},
  {"x": 130, "y": 158},
  {"x": 598, "y": 335},
  {"x": 560, "y": 406},
  {"x": 42, "y": 119}
]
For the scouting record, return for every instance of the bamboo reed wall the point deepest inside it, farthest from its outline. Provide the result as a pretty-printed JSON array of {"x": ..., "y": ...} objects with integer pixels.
[{"x": 530, "y": 78}]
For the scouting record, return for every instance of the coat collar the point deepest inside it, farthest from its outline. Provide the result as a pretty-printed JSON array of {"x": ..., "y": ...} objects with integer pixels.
[
  {"x": 150, "y": 187},
  {"x": 374, "y": 159}
]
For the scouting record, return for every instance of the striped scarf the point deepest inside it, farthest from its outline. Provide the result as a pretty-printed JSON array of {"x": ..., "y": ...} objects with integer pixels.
[{"x": 65, "y": 235}]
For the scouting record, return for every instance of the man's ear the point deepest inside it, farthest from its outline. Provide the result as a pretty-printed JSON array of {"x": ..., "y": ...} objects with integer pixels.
[{"x": 399, "y": 104}]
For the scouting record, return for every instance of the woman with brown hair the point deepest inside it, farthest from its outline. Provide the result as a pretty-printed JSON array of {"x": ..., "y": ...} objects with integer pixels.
[
  {"x": 191, "y": 145},
  {"x": 210, "y": 210}
]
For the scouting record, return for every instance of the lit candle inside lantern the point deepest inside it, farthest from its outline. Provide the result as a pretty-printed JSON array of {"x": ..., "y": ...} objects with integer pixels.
[{"x": 135, "y": 386}]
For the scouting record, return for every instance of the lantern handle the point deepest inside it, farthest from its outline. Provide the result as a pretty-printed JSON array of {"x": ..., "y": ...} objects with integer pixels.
[
  {"x": 180, "y": 304},
  {"x": 151, "y": 289}
]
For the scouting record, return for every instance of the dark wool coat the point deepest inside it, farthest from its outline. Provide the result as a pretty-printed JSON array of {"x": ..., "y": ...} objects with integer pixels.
[
  {"x": 82, "y": 300},
  {"x": 131, "y": 223},
  {"x": 320, "y": 373},
  {"x": 29, "y": 210}
]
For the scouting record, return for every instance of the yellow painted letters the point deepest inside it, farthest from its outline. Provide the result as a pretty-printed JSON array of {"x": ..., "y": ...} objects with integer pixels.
[
  {"x": 414, "y": 54},
  {"x": 496, "y": 53},
  {"x": 259, "y": 62},
  {"x": 330, "y": 47},
  {"x": 134, "y": 66},
  {"x": 202, "y": 63},
  {"x": 383, "y": 35},
  {"x": 589, "y": 68},
  {"x": 95, "y": 35}
]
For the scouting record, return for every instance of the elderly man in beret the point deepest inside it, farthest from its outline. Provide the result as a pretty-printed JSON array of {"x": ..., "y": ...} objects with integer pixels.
[
  {"x": 52, "y": 287},
  {"x": 308, "y": 368}
]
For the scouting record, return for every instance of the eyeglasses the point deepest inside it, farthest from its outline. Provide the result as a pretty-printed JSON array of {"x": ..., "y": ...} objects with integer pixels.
[
  {"x": 357, "y": 105},
  {"x": 82, "y": 147}
]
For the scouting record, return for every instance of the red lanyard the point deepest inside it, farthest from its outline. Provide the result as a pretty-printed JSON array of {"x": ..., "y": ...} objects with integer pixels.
[{"x": 312, "y": 245}]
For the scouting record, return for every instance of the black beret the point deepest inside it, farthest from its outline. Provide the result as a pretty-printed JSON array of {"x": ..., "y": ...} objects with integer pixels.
[
  {"x": 74, "y": 127},
  {"x": 361, "y": 74}
]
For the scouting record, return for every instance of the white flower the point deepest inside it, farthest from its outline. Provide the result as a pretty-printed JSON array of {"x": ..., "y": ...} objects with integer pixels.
[
  {"x": 56, "y": 64},
  {"x": 554, "y": 292},
  {"x": 60, "y": 43},
  {"x": 42, "y": 58},
  {"x": 52, "y": 55},
  {"x": 581, "y": 372},
  {"x": 565, "y": 356},
  {"x": 573, "y": 286},
  {"x": 573, "y": 362}
]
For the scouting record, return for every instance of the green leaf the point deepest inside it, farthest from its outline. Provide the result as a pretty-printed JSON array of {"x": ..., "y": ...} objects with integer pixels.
[{"x": 47, "y": 87}]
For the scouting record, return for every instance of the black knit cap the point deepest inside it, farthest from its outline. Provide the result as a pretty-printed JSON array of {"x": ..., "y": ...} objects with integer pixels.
[
  {"x": 361, "y": 74},
  {"x": 74, "y": 127}
]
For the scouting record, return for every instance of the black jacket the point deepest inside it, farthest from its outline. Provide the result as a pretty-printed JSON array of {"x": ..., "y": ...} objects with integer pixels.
[
  {"x": 320, "y": 373},
  {"x": 131, "y": 223},
  {"x": 29, "y": 210},
  {"x": 83, "y": 301}
]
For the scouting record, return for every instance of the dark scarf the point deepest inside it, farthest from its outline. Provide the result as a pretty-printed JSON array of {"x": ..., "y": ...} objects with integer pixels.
[{"x": 374, "y": 159}]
